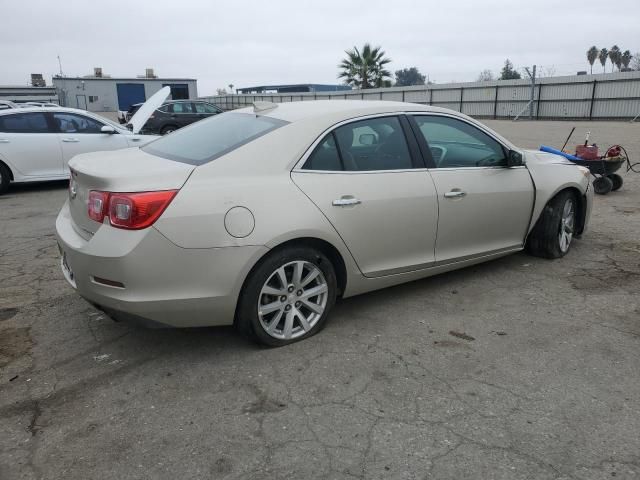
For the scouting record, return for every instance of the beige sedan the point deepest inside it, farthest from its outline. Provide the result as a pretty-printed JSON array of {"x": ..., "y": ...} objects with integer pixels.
[{"x": 263, "y": 217}]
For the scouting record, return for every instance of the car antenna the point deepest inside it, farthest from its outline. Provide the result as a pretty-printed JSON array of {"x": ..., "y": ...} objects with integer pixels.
[{"x": 263, "y": 106}]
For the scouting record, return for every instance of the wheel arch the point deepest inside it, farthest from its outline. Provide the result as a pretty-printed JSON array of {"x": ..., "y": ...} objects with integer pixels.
[
  {"x": 329, "y": 250},
  {"x": 4, "y": 164},
  {"x": 581, "y": 205}
]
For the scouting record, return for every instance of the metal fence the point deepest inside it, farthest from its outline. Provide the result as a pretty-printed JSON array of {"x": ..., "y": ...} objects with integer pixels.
[{"x": 600, "y": 96}]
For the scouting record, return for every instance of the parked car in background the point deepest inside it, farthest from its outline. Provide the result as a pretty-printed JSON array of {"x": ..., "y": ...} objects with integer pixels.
[
  {"x": 125, "y": 115},
  {"x": 37, "y": 143},
  {"x": 177, "y": 114},
  {"x": 263, "y": 216},
  {"x": 6, "y": 104},
  {"x": 40, "y": 104}
]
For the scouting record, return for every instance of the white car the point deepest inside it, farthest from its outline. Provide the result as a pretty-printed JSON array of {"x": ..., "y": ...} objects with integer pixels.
[
  {"x": 7, "y": 104},
  {"x": 37, "y": 143}
]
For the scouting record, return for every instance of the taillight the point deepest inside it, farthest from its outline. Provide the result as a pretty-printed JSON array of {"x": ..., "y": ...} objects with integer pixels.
[
  {"x": 97, "y": 205},
  {"x": 132, "y": 211}
]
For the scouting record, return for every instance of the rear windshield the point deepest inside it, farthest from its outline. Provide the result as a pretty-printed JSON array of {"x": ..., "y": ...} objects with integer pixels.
[{"x": 209, "y": 139}]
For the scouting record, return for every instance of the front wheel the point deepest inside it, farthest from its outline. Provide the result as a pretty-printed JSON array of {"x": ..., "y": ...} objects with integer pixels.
[
  {"x": 553, "y": 233},
  {"x": 168, "y": 129},
  {"x": 288, "y": 297}
]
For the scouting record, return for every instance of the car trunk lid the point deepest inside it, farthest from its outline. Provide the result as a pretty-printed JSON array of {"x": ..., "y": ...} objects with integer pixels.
[{"x": 125, "y": 171}]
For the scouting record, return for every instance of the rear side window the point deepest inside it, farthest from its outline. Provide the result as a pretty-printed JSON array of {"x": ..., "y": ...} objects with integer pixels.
[
  {"x": 365, "y": 145},
  {"x": 181, "y": 108},
  {"x": 211, "y": 138},
  {"x": 24, "y": 123}
]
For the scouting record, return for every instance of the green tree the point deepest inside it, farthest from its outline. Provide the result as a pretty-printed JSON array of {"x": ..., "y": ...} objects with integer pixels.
[
  {"x": 508, "y": 72},
  {"x": 409, "y": 76},
  {"x": 592, "y": 55},
  {"x": 366, "y": 69},
  {"x": 602, "y": 56},
  {"x": 635, "y": 61},
  {"x": 615, "y": 56},
  {"x": 625, "y": 58}
]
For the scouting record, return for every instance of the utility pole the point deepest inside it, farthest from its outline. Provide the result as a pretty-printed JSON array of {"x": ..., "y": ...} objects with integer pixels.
[
  {"x": 60, "y": 65},
  {"x": 532, "y": 76}
]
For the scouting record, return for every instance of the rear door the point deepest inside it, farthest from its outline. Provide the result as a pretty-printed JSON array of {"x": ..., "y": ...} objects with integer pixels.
[
  {"x": 484, "y": 207},
  {"x": 183, "y": 114},
  {"x": 366, "y": 178},
  {"x": 28, "y": 142},
  {"x": 81, "y": 134}
]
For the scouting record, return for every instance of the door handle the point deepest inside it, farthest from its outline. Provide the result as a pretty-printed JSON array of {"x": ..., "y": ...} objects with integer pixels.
[
  {"x": 346, "y": 201},
  {"x": 455, "y": 194},
  {"x": 70, "y": 140},
  {"x": 4, "y": 140}
]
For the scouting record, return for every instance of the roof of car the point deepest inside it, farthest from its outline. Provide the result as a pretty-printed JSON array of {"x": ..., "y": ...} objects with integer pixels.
[
  {"x": 10, "y": 111},
  {"x": 292, "y": 111}
]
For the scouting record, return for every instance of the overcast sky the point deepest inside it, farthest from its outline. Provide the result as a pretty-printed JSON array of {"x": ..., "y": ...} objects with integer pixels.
[{"x": 258, "y": 42}]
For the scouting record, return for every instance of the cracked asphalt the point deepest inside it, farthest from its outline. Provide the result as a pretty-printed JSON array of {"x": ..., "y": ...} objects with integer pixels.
[{"x": 521, "y": 368}]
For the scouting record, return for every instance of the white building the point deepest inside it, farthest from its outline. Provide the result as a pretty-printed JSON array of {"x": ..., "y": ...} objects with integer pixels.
[{"x": 100, "y": 93}]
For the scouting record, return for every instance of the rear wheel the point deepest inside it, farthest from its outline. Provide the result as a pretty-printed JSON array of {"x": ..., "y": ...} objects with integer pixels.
[
  {"x": 288, "y": 297},
  {"x": 5, "y": 178},
  {"x": 602, "y": 185},
  {"x": 616, "y": 180},
  {"x": 553, "y": 233}
]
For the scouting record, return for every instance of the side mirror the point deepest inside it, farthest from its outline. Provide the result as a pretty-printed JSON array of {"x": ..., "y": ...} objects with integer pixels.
[
  {"x": 514, "y": 159},
  {"x": 367, "y": 139},
  {"x": 108, "y": 129}
]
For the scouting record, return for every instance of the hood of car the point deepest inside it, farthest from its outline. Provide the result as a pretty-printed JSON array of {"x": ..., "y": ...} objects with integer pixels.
[
  {"x": 546, "y": 158},
  {"x": 138, "y": 120}
]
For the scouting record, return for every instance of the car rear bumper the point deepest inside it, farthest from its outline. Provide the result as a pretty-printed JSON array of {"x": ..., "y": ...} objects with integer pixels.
[{"x": 142, "y": 276}]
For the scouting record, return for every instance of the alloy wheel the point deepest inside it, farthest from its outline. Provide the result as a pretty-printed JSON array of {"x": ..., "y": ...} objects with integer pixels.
[
  {"x": 566, "y": 225},
  {"x": 292, "y": 300}
]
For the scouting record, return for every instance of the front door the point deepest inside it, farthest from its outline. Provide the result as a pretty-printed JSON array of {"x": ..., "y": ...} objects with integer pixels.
[
  {"x": 29, "y": 143},
  {"x": 81, "y": 134},
  {"x": 366, "y": 182},
  {"x": 484, "y": 207}
]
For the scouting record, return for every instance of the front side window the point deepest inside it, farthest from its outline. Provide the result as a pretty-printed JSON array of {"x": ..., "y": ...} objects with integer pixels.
[
  {"x": 73, "y": 123},
  {"x": 24, "y": 123},
  {"x": 204, "y": 141},
  {"x": 365, "y": 145},
  {"x": 454, "y": 143}
]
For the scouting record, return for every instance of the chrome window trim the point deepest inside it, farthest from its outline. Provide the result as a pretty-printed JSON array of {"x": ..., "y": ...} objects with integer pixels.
[{"x": 298, "y": 165}]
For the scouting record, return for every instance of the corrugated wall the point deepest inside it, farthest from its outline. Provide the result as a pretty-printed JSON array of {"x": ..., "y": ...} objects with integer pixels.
[{"x": 601, "y": 96}]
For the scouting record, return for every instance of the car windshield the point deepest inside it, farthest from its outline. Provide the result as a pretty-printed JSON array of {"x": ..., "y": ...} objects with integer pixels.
[{"x": 209, "y": 139}]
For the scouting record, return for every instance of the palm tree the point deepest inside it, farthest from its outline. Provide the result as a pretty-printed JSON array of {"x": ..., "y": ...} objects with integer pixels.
[
  {"x": 366, "y": 69},
  {"x": 604, "y": 54},
  {"x": 625, "y": 58},
  {"x": 592, "y": 55},
  {"x": 614, "y": 56}
]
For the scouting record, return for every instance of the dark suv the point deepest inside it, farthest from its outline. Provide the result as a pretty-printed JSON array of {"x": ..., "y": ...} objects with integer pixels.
[{"x": 175, "y": 114}]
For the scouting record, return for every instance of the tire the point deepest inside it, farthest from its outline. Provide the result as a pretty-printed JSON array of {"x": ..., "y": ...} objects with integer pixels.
[
  {"x": 287, "y": 318},
  {"x": 5, "y": 178},
  {"x": 616, "y": 180},
  {"x": 552, "y": 235},
  {"x": 602, "y": 185},
  {"x": 168, "y": 129}
]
